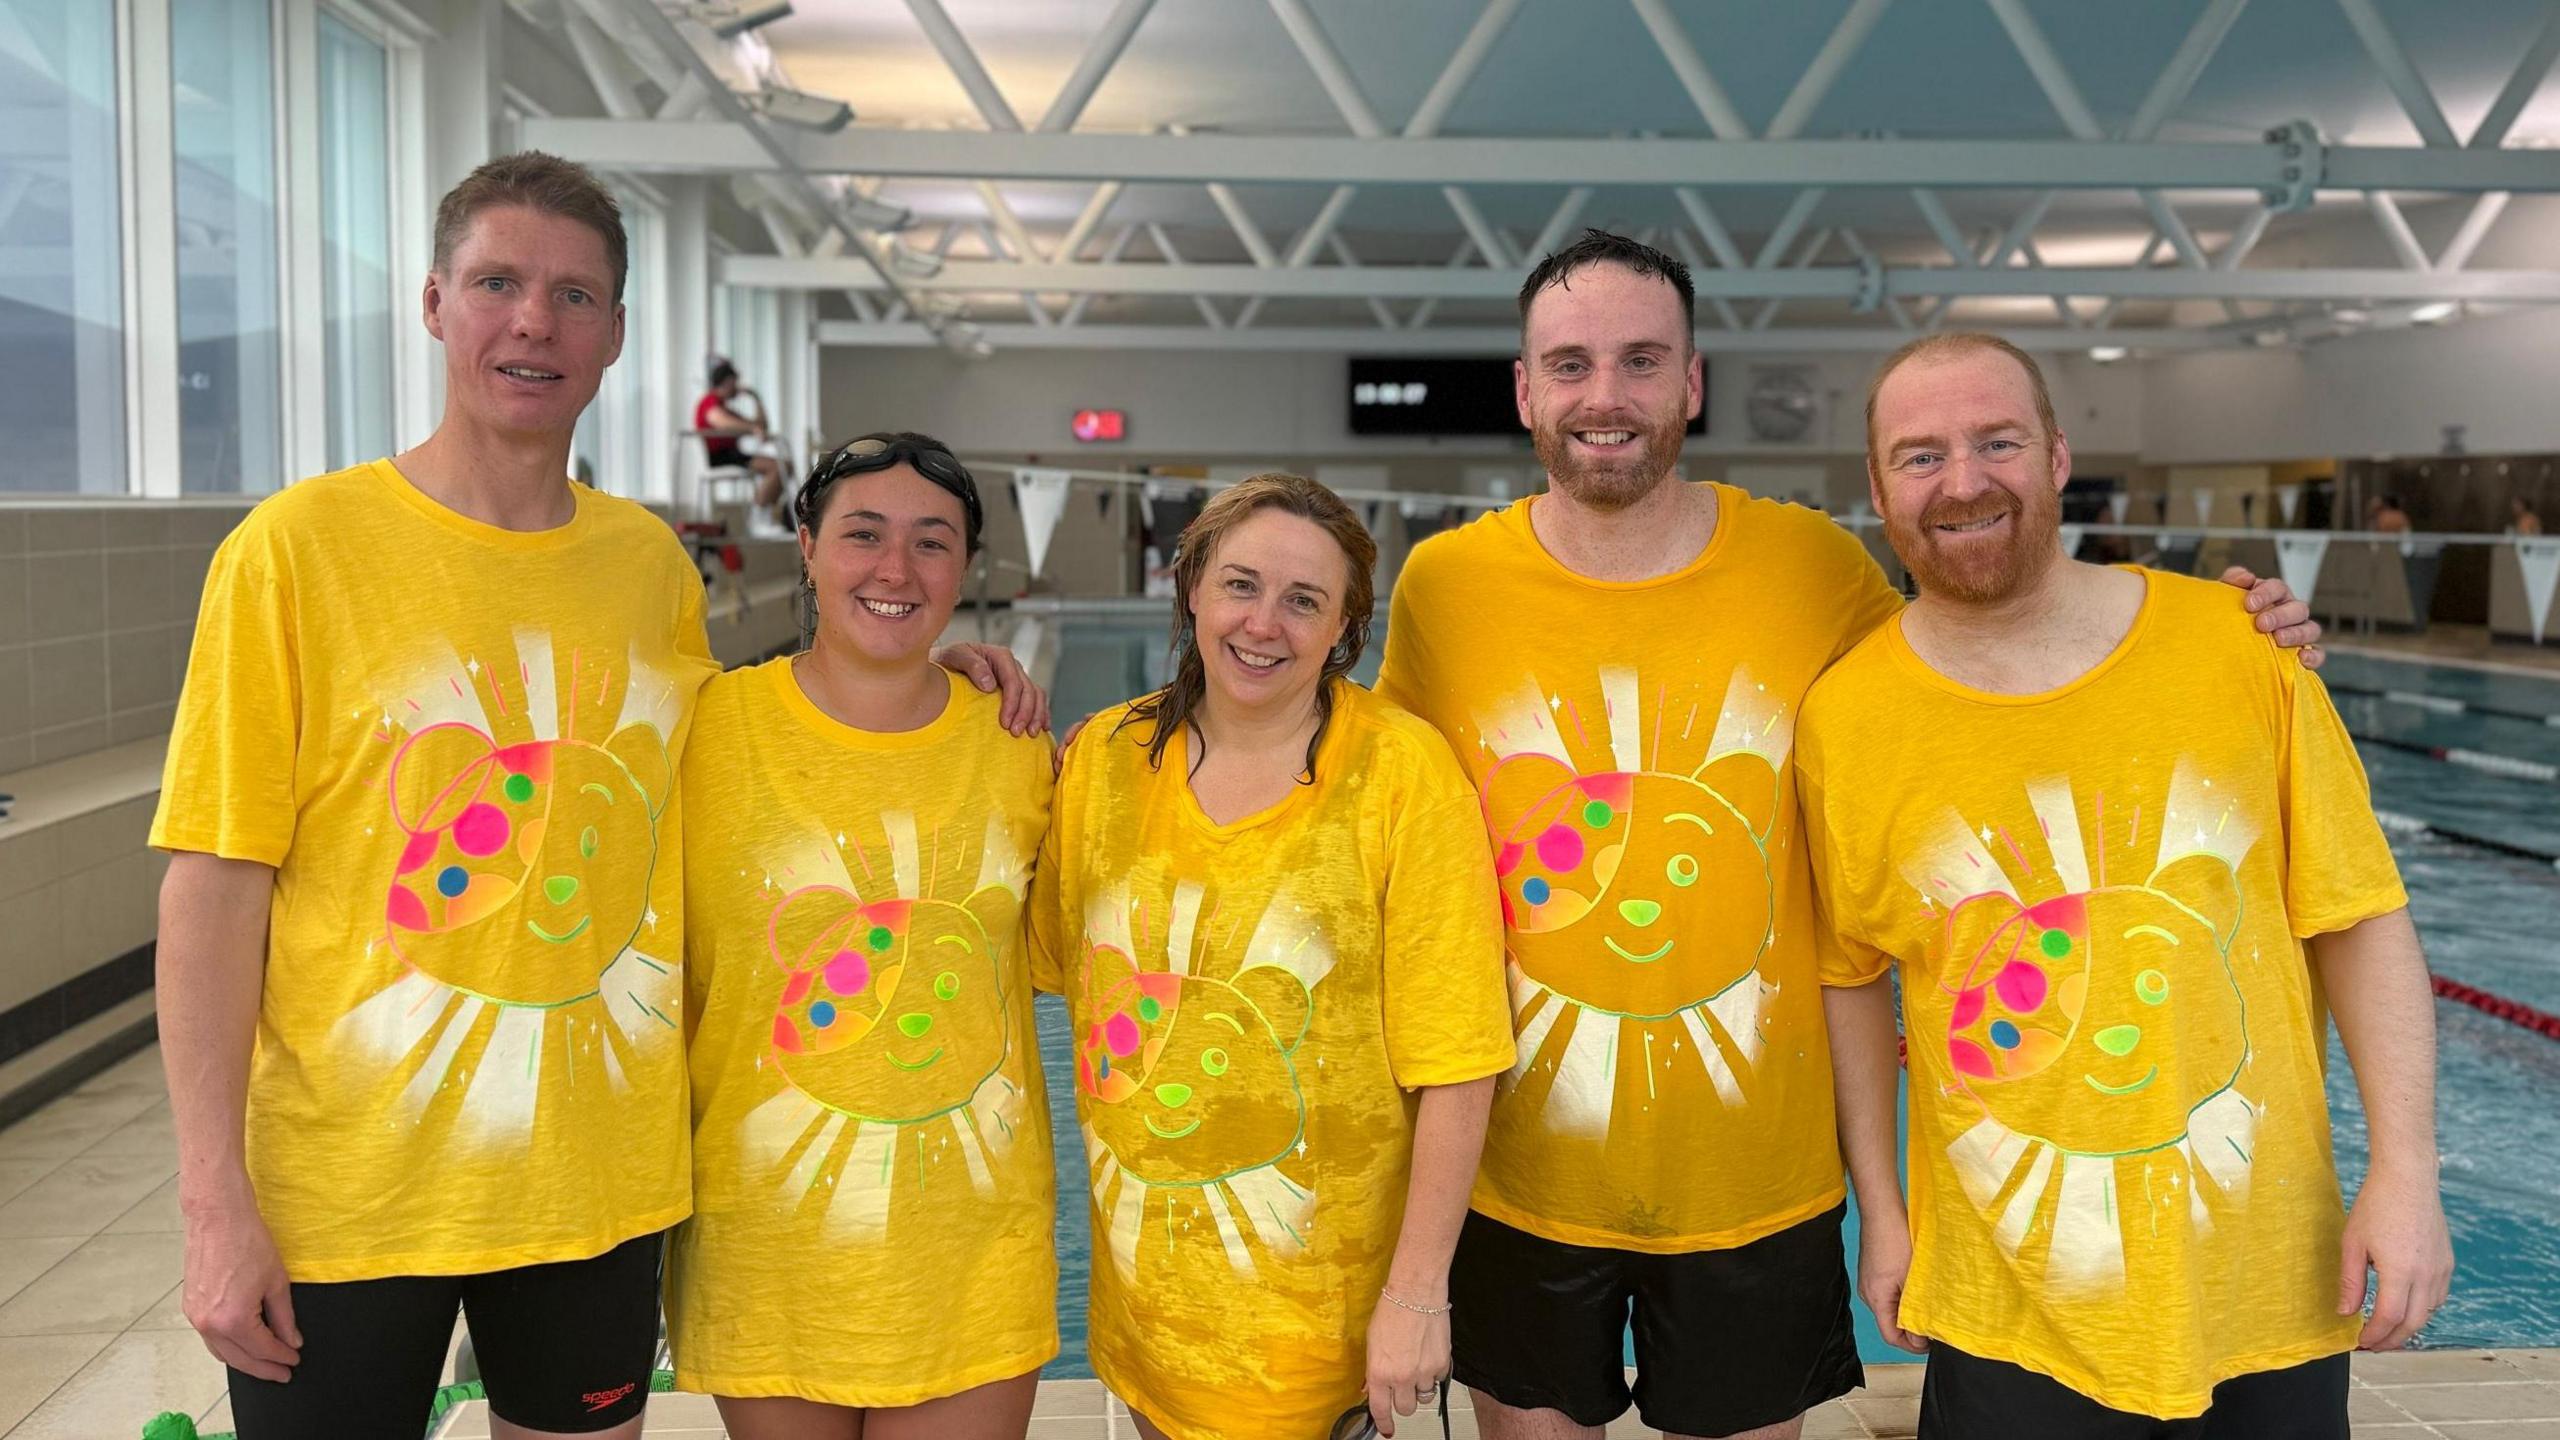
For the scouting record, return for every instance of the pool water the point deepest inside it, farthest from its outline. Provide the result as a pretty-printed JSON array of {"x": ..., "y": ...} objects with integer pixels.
[{"x": 2487, "y": 920}]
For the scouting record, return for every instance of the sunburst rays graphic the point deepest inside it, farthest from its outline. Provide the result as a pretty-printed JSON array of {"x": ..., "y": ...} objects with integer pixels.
[
  {"x": 848, "y": 1167},
  {"x": 1580, "y": 1050},
  {"x": 482, "y": 1012},
  {"x": 2067, "y": 1210},
  {"x": 1254, "y": 1206}
]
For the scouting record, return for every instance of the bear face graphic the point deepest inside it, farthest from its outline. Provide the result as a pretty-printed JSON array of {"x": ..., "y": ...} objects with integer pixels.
[
  {"x": 1635, "y": 893},
  {"x": 892, "y": 1011},
  {"x": 526, "y": 870},
  {"x": 2098, "y": 1021},
  {"x": 1192, "y": 1080}
]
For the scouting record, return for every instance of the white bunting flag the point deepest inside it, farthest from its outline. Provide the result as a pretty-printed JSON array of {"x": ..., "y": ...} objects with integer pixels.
[
  {"x": 2117, "y": 503},
  {"x": 1041, "y": 495},
  {"x": 2286, "y": 497},
  {"x": 2070, "y": 541},
  {"x": 2540, "y": 557},
  {"x": 2298, "y": 557},
  {"x": 2204, "y": 507}
]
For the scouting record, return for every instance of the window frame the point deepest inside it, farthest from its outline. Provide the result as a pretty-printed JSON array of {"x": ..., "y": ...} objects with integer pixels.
[{"x": 414, "y": 371}]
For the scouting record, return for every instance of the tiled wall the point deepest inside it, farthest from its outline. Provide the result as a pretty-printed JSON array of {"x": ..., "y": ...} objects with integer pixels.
[
  {"x": 74, "y": 895},
  {"x": 97, "y": 608},
  {"x": 97, "y": 611}
]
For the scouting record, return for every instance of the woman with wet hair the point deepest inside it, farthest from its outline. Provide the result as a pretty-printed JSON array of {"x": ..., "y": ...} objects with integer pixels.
[
  {"x": 1269, "y": 901},
  {"x": 870, "y": 1251}
]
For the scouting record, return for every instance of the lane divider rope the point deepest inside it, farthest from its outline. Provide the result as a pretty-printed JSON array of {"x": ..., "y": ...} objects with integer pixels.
[
  {"x": 2505, "y": 766},
  {"x": 2400, "y": 824},
  {"x": 2514, "y": 1012},
  {"x": 2447, "y": 705}
]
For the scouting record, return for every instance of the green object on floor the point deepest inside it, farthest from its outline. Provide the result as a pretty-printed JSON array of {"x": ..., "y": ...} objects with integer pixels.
[{"x": 170, "y": 1425}]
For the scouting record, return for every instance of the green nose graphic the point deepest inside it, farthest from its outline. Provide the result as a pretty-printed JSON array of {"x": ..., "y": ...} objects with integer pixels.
[
  {"x": 2119, "y": 1039},
  {"x": 913, "y": 1024},
  {"x": 1174, "y": 1096},
  {"x": 1640, "y": 912},
  {"x": 561, "y": 888}
]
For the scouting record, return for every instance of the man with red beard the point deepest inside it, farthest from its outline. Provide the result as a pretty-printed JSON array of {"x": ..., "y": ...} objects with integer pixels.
[
  {"x": 1619, "y": 662},
  {"x": 2107, "y": 833}
]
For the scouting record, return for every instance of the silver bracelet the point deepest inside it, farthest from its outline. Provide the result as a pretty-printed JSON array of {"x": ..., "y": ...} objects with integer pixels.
[{"x": 1390, "y": 1297}]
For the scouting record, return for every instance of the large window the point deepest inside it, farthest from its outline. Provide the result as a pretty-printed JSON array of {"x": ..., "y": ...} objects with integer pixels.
[
  {"x": 626, "y": 440},
  {"x": 355, "y": 234},
  {"x": 62, "y": 279},
  {"x": 748, "y": 330},
  {"x": 222, "y": 125}
]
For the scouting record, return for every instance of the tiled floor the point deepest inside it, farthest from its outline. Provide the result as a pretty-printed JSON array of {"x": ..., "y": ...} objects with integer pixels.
[{"x": 92, "y": 1344}]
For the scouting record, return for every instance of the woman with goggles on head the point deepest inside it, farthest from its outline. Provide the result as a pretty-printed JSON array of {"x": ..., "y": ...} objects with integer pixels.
[
  {"x": 1269, "y": 901},
  {"x": 870, "y": 1252}
]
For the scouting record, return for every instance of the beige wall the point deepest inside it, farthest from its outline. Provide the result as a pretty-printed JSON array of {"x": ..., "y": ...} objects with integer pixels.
[
  {"x": 97, "y": 612},
  {"x": 97, "y": 608},
  {"x": 1292, "y": 409}
]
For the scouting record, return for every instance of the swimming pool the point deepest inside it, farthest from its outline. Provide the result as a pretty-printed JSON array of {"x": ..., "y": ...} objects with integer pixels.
[{"x": 2487, "y": 920}]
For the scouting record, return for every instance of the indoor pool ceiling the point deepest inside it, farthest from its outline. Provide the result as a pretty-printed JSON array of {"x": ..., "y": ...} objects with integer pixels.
[{"x": 1294, "y": 172}]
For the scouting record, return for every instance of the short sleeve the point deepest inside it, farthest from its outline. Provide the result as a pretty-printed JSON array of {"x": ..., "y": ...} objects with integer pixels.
[
  {"x": 1448, "y": 1013},
  {"x": 1398, "y": 681},
  {"x": 696, "y": 776},
  {"x": 227, "y": 788},
  {"x": 693, "y": 635},
  {"x": 1842, "y": 957},
  {"x": 1871, "y": 600},
  {"x": 2338, "y": 867},
  {"x": 1046, "y": 906}
]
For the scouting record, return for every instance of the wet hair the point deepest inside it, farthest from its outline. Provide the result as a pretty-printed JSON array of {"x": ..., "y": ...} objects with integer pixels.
[
  {"x": 1173, "y": 706},
  {"x": 722, "y": 372},
  {"x": 540, "y": 182},
  {"x": 923, "y": 454},
  {"x": 1947, "y": 347},
  {"x": 1600, "y": 247}
]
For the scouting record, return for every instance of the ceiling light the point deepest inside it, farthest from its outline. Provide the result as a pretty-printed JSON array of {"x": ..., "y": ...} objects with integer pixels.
[
  {"x": 2429, "y": 314},
  {"x": 2351, "y": 317},
  {"x": 913, "y": 263},
  {"x": 864, "y": 214},
  {"x": 730, "y": 19},
  {"x": 800, "y": 108},
  {"x": 2106, "y": 354}
]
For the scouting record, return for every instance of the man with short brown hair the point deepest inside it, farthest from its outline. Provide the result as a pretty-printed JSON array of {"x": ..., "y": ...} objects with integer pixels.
[
  {"x": 419, "y": 992},
  {"x": 420, "y": 985}
]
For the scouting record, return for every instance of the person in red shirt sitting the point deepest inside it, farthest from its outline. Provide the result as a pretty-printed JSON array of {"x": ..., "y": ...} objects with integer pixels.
[{"x": 718, "y": 418}]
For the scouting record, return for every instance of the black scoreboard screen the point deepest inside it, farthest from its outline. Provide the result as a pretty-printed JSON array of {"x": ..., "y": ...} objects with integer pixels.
[{"x": 1440, "y": 395}]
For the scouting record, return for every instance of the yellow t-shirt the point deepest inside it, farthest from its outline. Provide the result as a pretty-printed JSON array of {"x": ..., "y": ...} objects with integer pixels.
[
  {"x": 872, "y": 1184},
  {"x": 2119, "y": 1150},
  {"x": 1630, "y": 740},
  {"x": 1252, "y": 1006},
  {"x": 457, "y": 745}
]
